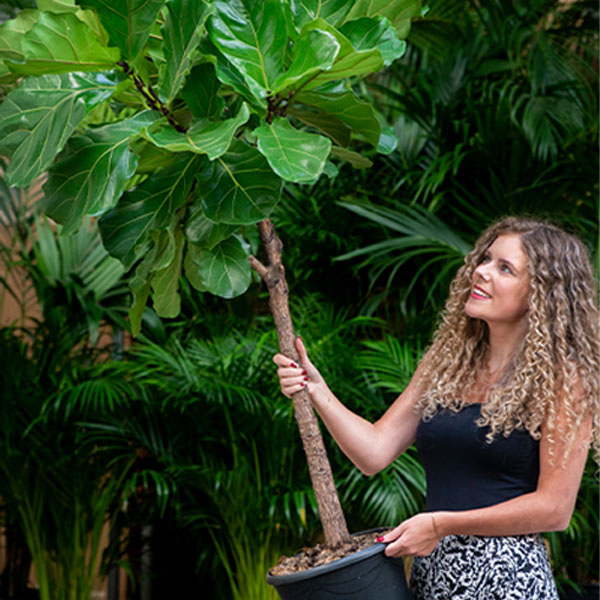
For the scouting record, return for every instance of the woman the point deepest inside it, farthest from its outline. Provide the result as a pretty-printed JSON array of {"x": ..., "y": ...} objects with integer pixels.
[{"x": 502, "y": 408}]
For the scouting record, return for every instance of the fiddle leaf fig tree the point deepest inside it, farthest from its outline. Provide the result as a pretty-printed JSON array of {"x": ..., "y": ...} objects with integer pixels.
[{"x": 178, "y": 122}]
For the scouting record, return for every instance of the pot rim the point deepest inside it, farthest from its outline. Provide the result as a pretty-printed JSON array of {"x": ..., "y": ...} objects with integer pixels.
[{"x": 334, "y": 565}]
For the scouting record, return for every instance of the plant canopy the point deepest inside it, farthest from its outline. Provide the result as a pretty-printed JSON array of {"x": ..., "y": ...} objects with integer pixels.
[{"x": 178, "y": 122}]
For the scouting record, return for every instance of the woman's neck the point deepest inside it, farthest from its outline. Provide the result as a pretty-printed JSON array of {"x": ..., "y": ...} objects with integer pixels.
[{"x": 503, "y": 344}]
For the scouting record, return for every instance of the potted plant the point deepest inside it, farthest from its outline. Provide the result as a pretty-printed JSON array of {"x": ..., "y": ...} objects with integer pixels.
[{"x": 179, "y": 123}]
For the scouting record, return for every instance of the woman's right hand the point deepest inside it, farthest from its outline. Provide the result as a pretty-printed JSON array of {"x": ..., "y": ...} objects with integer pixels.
[{"x": 294, "y": 377}]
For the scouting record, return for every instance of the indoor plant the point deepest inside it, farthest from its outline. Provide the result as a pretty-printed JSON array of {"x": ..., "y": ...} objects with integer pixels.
[{"x": 135, "y": 130}]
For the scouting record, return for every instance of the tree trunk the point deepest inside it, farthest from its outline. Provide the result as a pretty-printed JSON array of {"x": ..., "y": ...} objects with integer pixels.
[{"x": 273, "y": 274}]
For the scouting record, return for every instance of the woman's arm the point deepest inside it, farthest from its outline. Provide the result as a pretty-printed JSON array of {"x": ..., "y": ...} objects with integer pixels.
[
  {"x": 548, "y": 508},
  {"x": 370, "y": 446}
]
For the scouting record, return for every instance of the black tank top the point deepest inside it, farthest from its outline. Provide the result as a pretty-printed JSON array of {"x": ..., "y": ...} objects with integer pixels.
[{"x": 465, "y": 471}]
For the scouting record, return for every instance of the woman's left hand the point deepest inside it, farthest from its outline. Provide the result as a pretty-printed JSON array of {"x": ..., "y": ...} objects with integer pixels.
[{"x": 416, "y": 536}]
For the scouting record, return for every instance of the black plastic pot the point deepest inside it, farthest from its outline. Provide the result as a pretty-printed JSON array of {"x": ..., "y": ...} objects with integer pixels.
[{"x": 364, "y": 575}]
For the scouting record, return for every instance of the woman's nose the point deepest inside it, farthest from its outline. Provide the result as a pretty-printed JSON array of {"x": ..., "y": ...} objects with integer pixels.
[{"x": 482, "y": 271}]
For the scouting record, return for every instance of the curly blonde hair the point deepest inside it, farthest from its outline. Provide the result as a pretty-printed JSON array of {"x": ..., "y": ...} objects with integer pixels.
[{"x": 558, "y": 360}]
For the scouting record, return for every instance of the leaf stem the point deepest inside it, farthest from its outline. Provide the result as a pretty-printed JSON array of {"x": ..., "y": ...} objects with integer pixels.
[{"x": 151, "y": 97}]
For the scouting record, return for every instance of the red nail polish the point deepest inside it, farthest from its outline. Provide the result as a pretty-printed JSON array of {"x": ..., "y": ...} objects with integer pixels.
[
  {"x": 304, "y": 373},
  {"x": 294, "y": 365},
  {"x": 302, "y": 384},
  {"x": 380, "y": 538},
  {"x": 306, "y": 379}
]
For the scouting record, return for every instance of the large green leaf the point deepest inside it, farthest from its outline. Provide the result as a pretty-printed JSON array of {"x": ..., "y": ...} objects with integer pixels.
[
  {"x": 128, "y": 22},
  {"x": 152, "y": 205},
  {"x": 332, "y": 11},
  {"x": 201, "y": 92},
  {"x": 399, "y": 12},
  {"x": 90, "y": 175},
  {"x": 165, "y": 282},
  {"x": 190, "y": 267},
  {"x": 225, "y": 270},
  {"x": 181, "y": 34},
  {"x": 203, "y": 232},
  {"x": 348, "y": 62},
  {"x": 358, "y": 161},
  {"x": 377, "y": 33},
  {"x": 203, "y": 137},
  {"x": 252, "y": 35},
  {"x": 313, "y": 51},
  {"x": 239, "y": 187},
  {"x": 60, "y": 43},
  {"x": 38, "y": 118},
  {"x": 331, "y": 126},
  {"x": 346, "y": 107},
  {"x": 294, "y": 155},
  {"x": 13, "y": 32},
  {"x": 57, "y": 6}
]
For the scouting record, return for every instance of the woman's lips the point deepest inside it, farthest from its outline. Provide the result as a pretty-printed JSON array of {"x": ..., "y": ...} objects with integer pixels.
[{"x": 479, "y": 294}]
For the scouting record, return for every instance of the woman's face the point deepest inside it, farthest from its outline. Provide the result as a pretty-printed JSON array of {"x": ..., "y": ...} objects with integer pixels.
[{"x": 500, "y": 283}]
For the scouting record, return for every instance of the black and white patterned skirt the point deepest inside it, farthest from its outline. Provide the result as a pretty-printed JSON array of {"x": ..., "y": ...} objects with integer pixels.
[{"x": 468, "y": 567}]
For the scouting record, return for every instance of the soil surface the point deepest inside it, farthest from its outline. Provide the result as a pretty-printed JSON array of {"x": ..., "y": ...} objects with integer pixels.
[{"x": 322, "y": 554}]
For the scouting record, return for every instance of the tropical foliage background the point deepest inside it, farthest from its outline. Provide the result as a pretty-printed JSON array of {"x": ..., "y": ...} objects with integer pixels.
[{"x": 180, "y": 438}]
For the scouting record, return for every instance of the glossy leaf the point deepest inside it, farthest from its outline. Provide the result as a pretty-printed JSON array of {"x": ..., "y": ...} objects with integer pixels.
[
  {"x": 128, "y": 22},
  {"x": 239, "y": 187},
  {"x": 294, "y": 155},
  {"x": 331, "y": 126},
  {"x": 165, "y": 281},
  {"x": 313, "y": 51},
  {"x": 358, "y": 161},
  {"x": 332, "y": 11},
  {"x": 398, "y": 12},
  {"x": 377, "y": 33},
  {"x": 37, "y": 119},
  {"x": 203, "y": 137},
  {"x": 252, "y": 35},
  {"x": 181, "y": 34},
  {"x": 225, "y": 270},
  {"x": 12, "y": 33},
  {"x": 345, "y": 106},
  {"x": 201, "y": 231},
  {"x": 201, "y": 92},
  {"x": 90, "y": 175},
  {"x": 230, "y": 75},
  {"x": 61, "y": 43},
  {"x": 348, "y": 62},
  {"x": 152, "y": 205}
]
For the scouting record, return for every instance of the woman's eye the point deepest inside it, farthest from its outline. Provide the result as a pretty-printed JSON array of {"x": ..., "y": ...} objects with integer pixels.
[{"x": 505, "y": 269}]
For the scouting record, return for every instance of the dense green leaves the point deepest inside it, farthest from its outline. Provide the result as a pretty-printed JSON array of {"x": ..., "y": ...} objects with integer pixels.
[
  {"x": 203, "y": 137},
  {"x": 60, "y": 43},
  {"x": 240, "y": 187},
  {"x": 181, "y": 34},
  {"x": 313, "y": 51},
  {"x": 91, "y": 174},
  {"x": 359, "y": 115},
  {"x": 349, "y": 61},
  {"x": 152, "y": 205},
  {"x": 256, "y": 87},
  {"x": 252, "y": 35},
  {"x": 37, "y": 119},
  {"x": 128, "y": 22},
  {"x": 332, "y": 11},
  {"x": 294, "y": 155}
]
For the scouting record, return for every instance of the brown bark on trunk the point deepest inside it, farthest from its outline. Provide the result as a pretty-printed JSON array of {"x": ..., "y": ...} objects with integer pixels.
[{"x": 335, "y": 529}]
